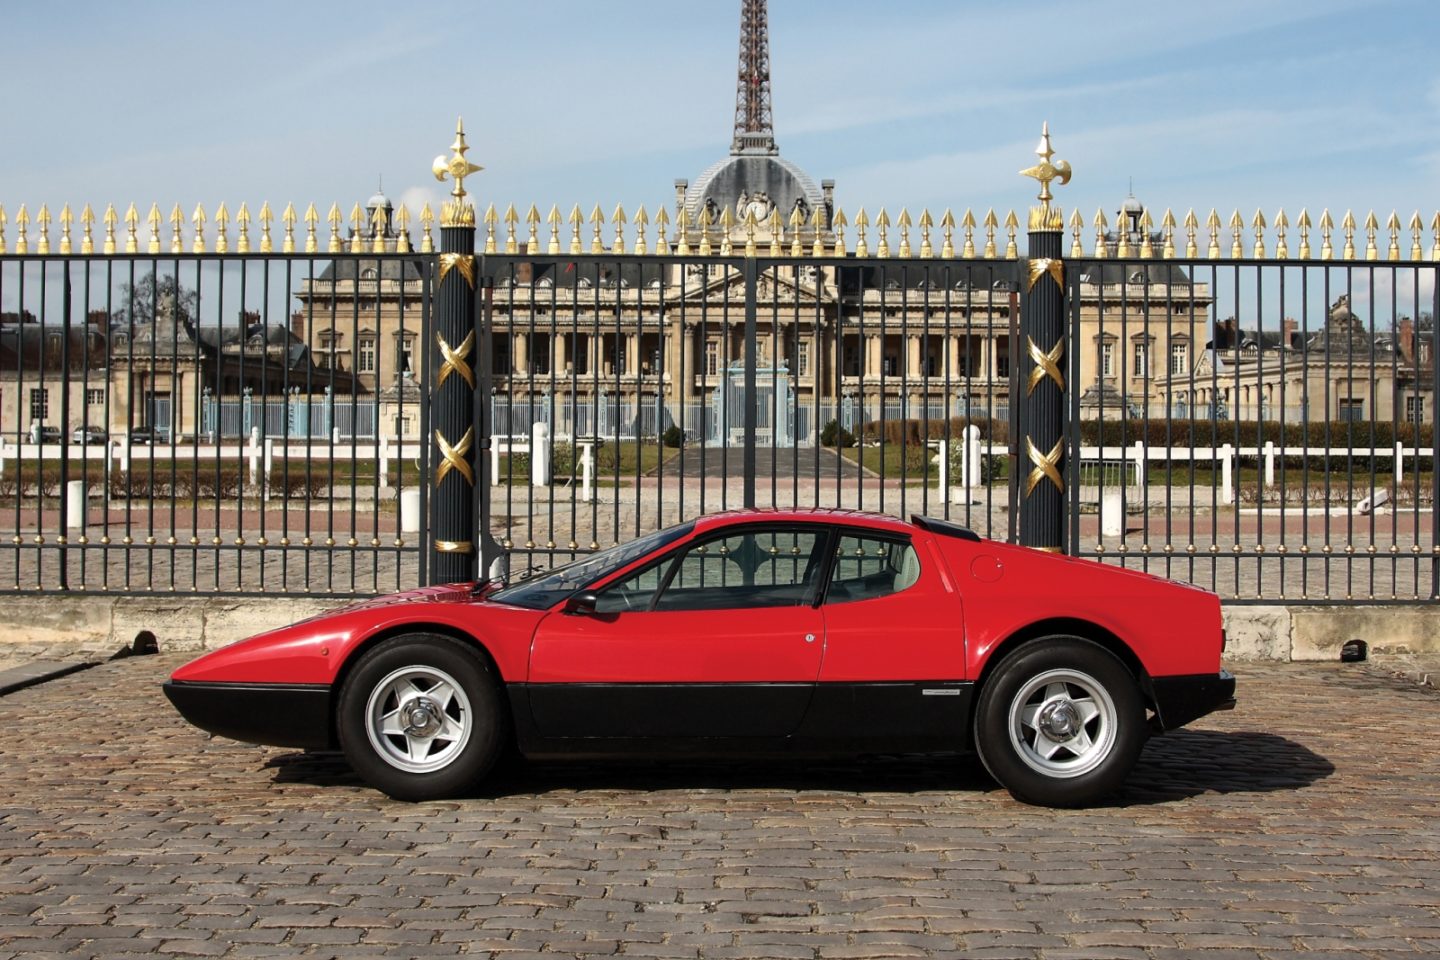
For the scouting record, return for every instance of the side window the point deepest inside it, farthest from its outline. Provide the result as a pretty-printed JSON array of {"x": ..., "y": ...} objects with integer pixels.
[
  {"x": 757, "y": 568},
  {"x": 635, "y": 592},
  {"x": 869, "y": 567}
]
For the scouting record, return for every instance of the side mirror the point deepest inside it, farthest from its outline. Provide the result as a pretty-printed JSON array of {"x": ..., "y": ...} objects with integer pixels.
[{"x": 582, "y": 602}]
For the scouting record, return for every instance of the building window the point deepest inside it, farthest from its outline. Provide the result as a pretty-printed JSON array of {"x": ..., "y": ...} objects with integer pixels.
[
  {"x": 95, "y": 397},
  {"x": 367, "y": 355},
  {"x": 1107, "y": 359},
  {"x": 712, "y": 357},
  {"x": 39, "y": 404},
  {"x": 1415, "y": 409},
  {"x": 1351, "y": 410},
  {"x": 1179, "y": 359},
  {"x": 1142, "y": 360},
  {"x": 407, "y": 354},
  {"x": 802, "y": 359}
]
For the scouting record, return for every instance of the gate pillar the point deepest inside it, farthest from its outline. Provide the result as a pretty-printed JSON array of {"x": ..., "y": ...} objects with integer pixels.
[
  {"x": 1042, "y": 366},
  {"x": 459, "y": 532}
]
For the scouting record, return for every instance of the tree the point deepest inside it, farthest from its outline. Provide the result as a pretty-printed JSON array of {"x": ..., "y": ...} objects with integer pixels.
[{"x": 138, "y": 302}]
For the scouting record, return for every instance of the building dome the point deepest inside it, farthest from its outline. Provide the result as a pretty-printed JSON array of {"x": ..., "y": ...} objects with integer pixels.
[{"x": 765, "y": 182}]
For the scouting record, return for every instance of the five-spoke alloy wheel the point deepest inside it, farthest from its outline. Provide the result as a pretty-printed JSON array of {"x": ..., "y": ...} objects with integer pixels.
[
  {"x": 1060, "y": 722},
  {"x": 420, "y": 717}
]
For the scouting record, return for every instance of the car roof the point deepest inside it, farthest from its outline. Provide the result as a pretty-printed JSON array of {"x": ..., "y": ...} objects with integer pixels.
[{"x": 831, "y": 515}]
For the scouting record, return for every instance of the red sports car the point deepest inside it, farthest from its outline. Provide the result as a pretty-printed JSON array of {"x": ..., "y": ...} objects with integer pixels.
[{"x": 795, "y": 633}]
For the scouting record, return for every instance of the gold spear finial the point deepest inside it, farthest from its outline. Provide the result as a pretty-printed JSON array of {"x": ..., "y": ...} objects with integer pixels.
[
  {"x": 402, "y": 229},
  {"x": 882, "y": 228},
  {"x": 197, "y": 245},
  {"x": 1192, "y": 227},
  {"x": 1282, "y": 223},
  {"x": 1327, "y": 227},
  {"x": 427, "y": 222},
  {"x": 1077, "y": 224},
  {"x": 1212, "y": 223},
  {"x": 1348, "y": 225},
  {"x": 840, "y": 223},
  {"x": 110, "y": 219},
  {"x": 752, "y": 226},
  {"x": 456, "y": 212},
  {"x": 312, "y": 229},
  {"x": 904, "y": 223},
  {"x": 287, "y": 217},
  {"x": 1237, "y": 229},
  {"x": 378, "y": 226},
  {"x": 777, "y": 233},
  {"x": 155, "y": 221},
  {"x": 1012, "y": 224},
  {"x": 222, "y": 221},
  {"x": 968, "y": 224},
  {"x": 727, "y": 225},
  {"x": 22, "y": 222},
  {"x": 1371, "y": 226},
  {"x": 1167, "y": 235},
  {"x": 43, "y": 219},
  {"x": 177, "y": 228},
  {"x": 597, "y": 223},
  {"x": 1303, "y": 225},
  {"x": 357, "y": 228},
  {"x": 1435, "y": 236},
  {"x": 862, "y": 223},
  {"x": 2, "y": 227},
  {"x": 1417, "y": 232},
  {"x": 1393, "y": 225},
  {"x": 242, "y": 227},
  {"x": 662, "y": 220},
  {"x": 512, "y": 245},
  {"x": 554, "y": 220},
  {"x": 132, "y": 224},
  {"x": 87, "y": 225},
  {"x": 577, "y": 223},
  {"x": 619, "y": 220},
  {"x": 682, "y": 227},
  {"x": 927, "y": 223},
  {"x": 991, "y": 223},
  {"x": 1259, "y": 224},
  {"x": 267, "y": 217},
  {"x": 947, "y": 229},
  {"x": 66, "y": 219},
  {"x": 1147, "y": 246},
  {"x": 1045, "y": 172},
  {"x": 642, "y": 220},
  {"x": 1102, "y": 249}
]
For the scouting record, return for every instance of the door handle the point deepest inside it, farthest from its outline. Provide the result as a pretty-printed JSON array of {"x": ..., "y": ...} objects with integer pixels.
[{"x": 809, "y": 638}]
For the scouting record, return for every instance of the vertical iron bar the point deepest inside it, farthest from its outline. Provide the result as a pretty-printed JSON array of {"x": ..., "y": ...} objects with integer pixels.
[{"x": 751, "y": 274}]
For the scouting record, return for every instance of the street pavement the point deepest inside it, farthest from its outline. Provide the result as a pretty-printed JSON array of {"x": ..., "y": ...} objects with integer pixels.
[{"x": 1302, "y": 824}]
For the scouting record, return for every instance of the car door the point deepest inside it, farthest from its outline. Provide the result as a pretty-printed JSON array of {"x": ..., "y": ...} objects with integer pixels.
[
  {"x": 721, "y": 638},
  {"x": 894, "y": 667}
]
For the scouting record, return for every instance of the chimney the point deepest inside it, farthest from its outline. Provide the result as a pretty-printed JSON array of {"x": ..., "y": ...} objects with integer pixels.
[
  {"x": 1406, "y": 343},
  {"x": 680, "y": 187},
  {"x": 1290, "y": 325}
]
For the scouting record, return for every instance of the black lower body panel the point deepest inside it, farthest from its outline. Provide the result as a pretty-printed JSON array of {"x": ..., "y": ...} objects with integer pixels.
[
  {"x": 825, "y": 719},
  {"x": 277, "y": 714},
  {"x": 1178, "y": 700}
]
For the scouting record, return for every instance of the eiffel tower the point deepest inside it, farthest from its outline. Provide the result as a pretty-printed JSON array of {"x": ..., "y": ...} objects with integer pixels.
[
  {"x": 754, "y": 127},
  {"x": 754, "y": 177}
]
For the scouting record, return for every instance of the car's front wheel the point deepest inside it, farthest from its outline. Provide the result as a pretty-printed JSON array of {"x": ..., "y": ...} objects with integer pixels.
[
  {"x": 420, "y": 717},
  {"x": 1060, "y": 722}
]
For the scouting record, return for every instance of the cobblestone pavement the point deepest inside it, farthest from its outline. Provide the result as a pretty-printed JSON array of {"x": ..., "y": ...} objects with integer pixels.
[{"x": 1303, "y": 823}]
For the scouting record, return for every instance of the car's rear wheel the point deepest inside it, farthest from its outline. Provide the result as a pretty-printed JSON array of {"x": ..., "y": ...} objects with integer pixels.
[
  {"x": 1060, "y": 722},
  {"x": 420, "y": 717}
]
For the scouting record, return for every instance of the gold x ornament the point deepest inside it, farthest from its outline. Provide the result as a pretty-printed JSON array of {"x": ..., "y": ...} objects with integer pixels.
[
  {"x": 1046, "y": 365},
  {"x": 463, "y": 262},
  {"x": 453, "y": 458},
  {"x": 456, "y": 360},
  {"x": 1046, "y": 465},
  {"x": 1043, "y": 265}
]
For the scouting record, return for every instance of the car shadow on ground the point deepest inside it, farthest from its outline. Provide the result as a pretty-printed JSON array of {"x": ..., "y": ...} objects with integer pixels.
[{"x": 1176, "y": 766}]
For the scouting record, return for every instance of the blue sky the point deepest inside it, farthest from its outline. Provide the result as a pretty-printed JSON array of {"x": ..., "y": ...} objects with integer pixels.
[{"x": 917, "y": 103}]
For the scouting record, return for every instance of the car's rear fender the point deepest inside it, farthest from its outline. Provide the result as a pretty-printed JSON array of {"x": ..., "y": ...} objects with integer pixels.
[{"x": 1069, "y": 627}]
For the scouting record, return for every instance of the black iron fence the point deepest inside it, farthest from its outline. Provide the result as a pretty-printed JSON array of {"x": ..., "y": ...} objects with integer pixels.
[{"x": 217, "y": 421}]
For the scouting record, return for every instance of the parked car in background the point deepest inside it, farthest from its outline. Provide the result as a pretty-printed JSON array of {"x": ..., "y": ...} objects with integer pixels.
[
  {"x": 88, "y": 435},
  {"x": 147, "y": 435},
  {"x": 757, "y": 632},
  {"x": 44, "y": 435}
]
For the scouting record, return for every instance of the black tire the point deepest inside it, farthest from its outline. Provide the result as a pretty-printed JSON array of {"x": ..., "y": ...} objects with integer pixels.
[
  {"x": 421, "y": 718},
  {"x": 1060, "y": 723}
]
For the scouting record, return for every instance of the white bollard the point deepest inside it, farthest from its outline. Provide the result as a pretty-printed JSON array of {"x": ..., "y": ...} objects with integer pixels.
[
  {"x": 2, "y": 459},
  {"x": 970, "y": 472},
  {"x": 410, "y": 510},
  {"x": 252, "y": 452},
  {"x": 1112, "y": 513},
  {"x": 942, "y": 460},
  {"x": 540, "y": 455},
  {"x": 269, "y": 465},
  {"x": 334, "y": 435},
  {"x": 1399, "y": 463},
  {"x": 1269, "y": 463},
  {"x": 1140, "y": 471},
  {"x": 1227, "y": 474},
  {"x": 384, "y": 458},
  {"x": 122, "y": 453},
  {"x": 587, "y": 471},
  {"x": 75, "y": 504}
]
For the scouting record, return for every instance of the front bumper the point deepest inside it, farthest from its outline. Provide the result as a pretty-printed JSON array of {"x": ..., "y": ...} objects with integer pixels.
[
  {"x": 277, "y": 714},
  {"x": 1178, "y": 700}
]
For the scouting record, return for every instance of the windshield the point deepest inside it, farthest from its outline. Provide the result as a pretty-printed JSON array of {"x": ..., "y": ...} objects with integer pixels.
[{"x": 547, "y": 589}]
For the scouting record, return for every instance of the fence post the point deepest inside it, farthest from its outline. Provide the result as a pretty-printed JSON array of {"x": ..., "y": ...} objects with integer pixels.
[
  {"x": 1042, "y": 364},
  {"x": 458, "y": 438}
]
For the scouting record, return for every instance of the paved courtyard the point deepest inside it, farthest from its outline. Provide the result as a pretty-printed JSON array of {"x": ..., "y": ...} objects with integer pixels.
[{"x": 1303, "y": 823}]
